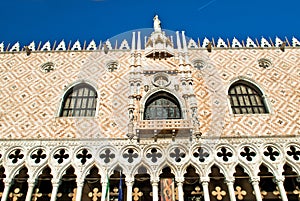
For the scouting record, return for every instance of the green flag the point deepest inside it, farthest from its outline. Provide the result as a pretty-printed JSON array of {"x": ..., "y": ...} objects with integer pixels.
[{"x": 107, "y": 188}]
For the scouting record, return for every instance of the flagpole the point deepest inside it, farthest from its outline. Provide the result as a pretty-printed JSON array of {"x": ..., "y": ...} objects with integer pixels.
[
  {"x": 120, "y": 196},
  {"x": 106, "y": 198}
]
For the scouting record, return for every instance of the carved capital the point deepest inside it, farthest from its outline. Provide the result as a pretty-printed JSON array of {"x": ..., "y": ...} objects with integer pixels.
[
  {"x": 254, "y": 180},
  {"x": 179, "y": 179},
  {"x": 204, "y": 180},
  {"x": 7, "y": 181},
  {"x": 129, "y": 180},
  {"x": 31, "y": 182},
  {"x": 229, "y": 181},
  {"x": 79, "y": 182},
  {"x": 55, "y": 182},
  {"x": 279, "y": 179}
]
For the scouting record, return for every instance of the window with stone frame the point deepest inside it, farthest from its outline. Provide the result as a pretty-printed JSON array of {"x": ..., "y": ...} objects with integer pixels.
[
  {"x": 162, "y": 105},
  {"x": 79, "y": 101},
  {"x": 245, "y": 98}
]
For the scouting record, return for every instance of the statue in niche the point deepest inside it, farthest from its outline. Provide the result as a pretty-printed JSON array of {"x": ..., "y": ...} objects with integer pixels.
[{"x": 156, "y": 24}]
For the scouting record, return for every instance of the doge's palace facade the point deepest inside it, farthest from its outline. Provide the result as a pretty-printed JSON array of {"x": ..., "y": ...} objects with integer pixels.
[{"x": 150, "y": 115}]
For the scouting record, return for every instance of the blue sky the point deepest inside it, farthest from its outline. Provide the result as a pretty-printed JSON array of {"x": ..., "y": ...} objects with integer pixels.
[{"x": 43, "y": 20}]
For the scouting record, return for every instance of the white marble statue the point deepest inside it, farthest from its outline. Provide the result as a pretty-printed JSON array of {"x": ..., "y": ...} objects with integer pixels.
[{"x": 156, "y": 24}]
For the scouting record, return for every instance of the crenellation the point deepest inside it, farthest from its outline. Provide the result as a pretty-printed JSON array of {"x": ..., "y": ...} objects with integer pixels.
[{"x": 113, "y": 45}]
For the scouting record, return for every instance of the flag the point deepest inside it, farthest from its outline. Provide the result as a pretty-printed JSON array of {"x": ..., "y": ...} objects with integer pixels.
[
  {"x": 107, "y": 188},
  {"x": 120, "y": 196}
]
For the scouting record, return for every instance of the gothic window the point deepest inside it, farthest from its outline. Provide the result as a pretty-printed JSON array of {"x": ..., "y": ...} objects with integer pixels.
[
  {"x": 162, "y": 105},
  {"x": 80, "y": 100},
  {"x": 245, "y": 98}
]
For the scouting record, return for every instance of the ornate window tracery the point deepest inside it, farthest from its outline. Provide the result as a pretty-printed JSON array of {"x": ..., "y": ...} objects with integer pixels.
[
  {"x": 80, "y": 100},
  {"x": 162, "y": 105},
  {"x": 245, "y": 98}
]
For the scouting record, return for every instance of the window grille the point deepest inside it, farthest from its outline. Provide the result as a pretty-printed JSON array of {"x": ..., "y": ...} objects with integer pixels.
[
  {"x": 79, "y": 101},
  {"x": 245, "y": 98}
]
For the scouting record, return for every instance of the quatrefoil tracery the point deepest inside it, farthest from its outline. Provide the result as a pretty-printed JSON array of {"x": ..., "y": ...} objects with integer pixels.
[
  {"x": 201, "y": 153},
  {"x": 225, "y": 153},
  {"x": 154, "y": 154},
  {"x": 16, "y": 155},
  {"x": 248, "y": 153},
  {"x": 272, "y": 153},
  {"x": 61, "y": 155},
  {"x": 130, "y": 154},
  {"x": 294, "y": 152},
  {"x": 178, "y": 154},
  {"x": 83, "y": 155},
  {"x": 38, "y": 155}
]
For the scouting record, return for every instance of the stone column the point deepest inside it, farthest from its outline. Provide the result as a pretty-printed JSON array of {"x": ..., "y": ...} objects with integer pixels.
[
  {"x": 230, "y": 186},
  {"x": 255, "y": 183},
  {"x": 80, "y": 183},
  {"x": 180, "y": 181},
  {"x": 55, "y": 185},
  {"x": 279, "y": 181},
  {"x": 154, "y": 190},
  {"x": 129, "y": 184},
  {"x": 31, "y": 184},
  {"x": 204, "y": 181},
  {"x": 7, "y": 183},
  {"x": 104, "y": 186}
]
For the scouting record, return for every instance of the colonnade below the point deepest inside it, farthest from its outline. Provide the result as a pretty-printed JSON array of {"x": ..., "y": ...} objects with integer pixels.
[{"x": 143, "y": 187}]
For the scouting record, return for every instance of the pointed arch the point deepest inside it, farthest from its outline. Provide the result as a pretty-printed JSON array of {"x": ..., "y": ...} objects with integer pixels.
[
  {"x": 43, "y": 186},
  {"x": 92, "y": 187},
  {"x": 291, "y": 182},
  {"x": 68, "y": 184}
]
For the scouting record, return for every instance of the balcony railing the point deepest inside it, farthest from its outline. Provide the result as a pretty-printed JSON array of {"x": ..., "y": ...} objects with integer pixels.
[{"x": 164, "y": 128}]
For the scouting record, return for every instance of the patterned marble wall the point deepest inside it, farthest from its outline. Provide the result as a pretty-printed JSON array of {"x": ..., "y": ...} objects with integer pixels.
[{"x": 30, "y": 98}]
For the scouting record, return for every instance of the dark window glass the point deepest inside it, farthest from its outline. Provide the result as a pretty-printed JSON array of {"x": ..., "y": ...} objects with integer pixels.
[
  {"x": 245, "y": 98},
  {"x": 162, "y": 106},
  {"x": 79, "y": 101}
]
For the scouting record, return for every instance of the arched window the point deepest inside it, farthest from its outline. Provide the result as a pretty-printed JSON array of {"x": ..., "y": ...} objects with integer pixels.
[
  {"x": 80, "y": 100},
  {"x": 162, "y": 105},
  {"x": 245, "y": 98}
]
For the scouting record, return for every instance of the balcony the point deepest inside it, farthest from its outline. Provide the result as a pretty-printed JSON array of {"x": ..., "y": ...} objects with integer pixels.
[{"x": 173, "y": 128}]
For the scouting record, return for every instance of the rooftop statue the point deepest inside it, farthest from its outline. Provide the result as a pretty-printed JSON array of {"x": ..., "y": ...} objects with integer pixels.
[{"x": 156, "y": 24}]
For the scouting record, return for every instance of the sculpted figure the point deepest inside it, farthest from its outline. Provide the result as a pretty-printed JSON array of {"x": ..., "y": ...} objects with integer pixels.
[{"x": 156, "y": 24}]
